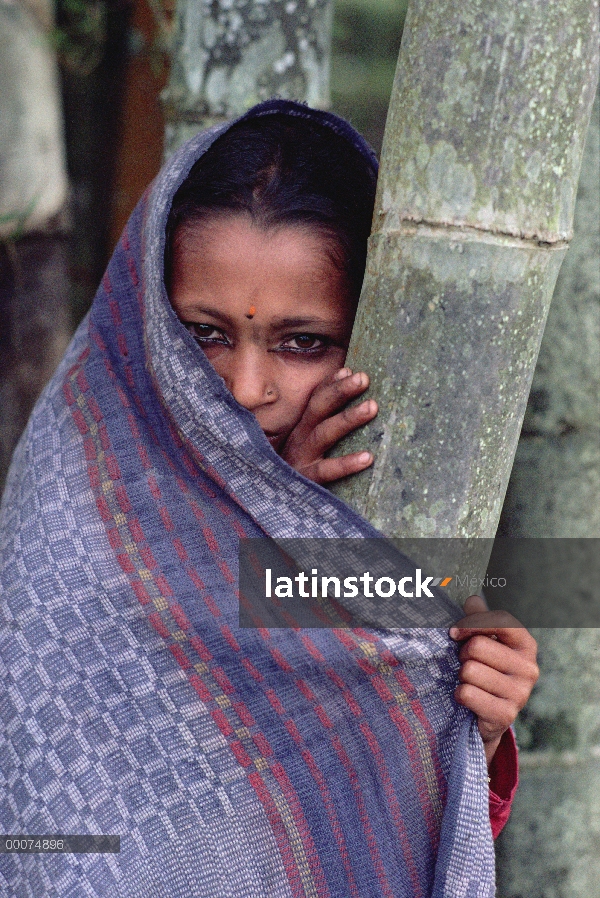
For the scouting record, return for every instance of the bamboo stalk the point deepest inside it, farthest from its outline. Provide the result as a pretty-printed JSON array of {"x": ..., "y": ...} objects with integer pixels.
[{"x": 474, "y": 210}]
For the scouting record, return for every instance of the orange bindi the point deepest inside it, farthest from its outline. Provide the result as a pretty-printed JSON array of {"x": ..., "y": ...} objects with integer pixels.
[{"x": 251, "y": 312}]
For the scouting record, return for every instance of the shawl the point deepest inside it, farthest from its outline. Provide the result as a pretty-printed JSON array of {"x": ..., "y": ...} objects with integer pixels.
[{"x": 232, "y": 763}]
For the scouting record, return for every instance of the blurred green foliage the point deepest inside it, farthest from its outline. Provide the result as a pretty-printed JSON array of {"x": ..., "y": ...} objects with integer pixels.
[
  {"x": 80, "y": 34},
  {"x": 366, "y": 41}
]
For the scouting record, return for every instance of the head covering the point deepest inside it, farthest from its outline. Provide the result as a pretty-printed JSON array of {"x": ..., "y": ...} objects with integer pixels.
[{"x": 231, "y": 762}]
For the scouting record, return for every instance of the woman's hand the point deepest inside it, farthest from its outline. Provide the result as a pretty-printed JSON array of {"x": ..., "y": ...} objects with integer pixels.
[
  {"x": 323, "y": 425},
  {"x": 498, "y": 668}
]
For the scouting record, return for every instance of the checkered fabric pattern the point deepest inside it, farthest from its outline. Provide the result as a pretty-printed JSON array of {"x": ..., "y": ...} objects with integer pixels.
[{"x": 233, "y": 763}]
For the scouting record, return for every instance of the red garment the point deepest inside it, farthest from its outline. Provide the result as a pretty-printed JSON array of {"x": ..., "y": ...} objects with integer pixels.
[{"x": 504, "y": 779}]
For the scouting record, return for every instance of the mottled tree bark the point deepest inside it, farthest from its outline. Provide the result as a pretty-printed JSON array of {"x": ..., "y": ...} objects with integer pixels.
[
  {"x": 550, "y": 847},
  {"x": 480, "y": 164},
  {"x": 34, "y": 315},
  {"x": 227, "y": 56}
]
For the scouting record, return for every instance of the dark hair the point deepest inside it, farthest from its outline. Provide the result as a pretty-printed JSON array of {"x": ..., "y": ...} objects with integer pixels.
[{"x": 284, "y": 170}]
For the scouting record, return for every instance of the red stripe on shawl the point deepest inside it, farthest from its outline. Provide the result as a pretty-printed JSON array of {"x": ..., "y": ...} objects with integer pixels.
[
  {"x": 80, "y": 421},
  {"x": 419, "y": 712},
  {"x": 200, "y": 649},
  {"x": 201, "y": 689},
  {"x": 275, "y": 701},
  {"x": 333, "y": 819},
  {"x": 230, "y": 638},
  {"x": 198, "y": 583},
  {"x": 68, "y": 393},
  {"x": 222, "y": 722},
  {"x": 166, "y": 519},
  {"x": 252, "y": 670},
  {"x": 300, "y": 683},
  {"x": 280, "y": 834},
  {"x": 144, "y": 457},
  {"x": 94, "y": 474},
  {"x": 362, "y": 811},
  {"x": 112, "y": 466},
  {"x": 135, "y": 431},
  {"x": 293, "y": 730},
  {"x": 97, "y": 339},
  {"x": 95, "y": 410},
  {"x": 83, "y": 384},
  {"x": 246, "y": 717},
  {"x": 394, "y": 807},
  {"x": 141, "y": 592},
  {"x": 115, "y": 313},
  {"x": 147, "y": 557},
  {"x": 103, "y": 437},
  {"x": 122, "y": 396},
  {"x": 228, "y": 574},
  {"x": 136, "y": 530},
  {"x": 163, "y": 585},
  {"x": 180, "y": 656},
  {"x": 262, "y": 745},
  {"x": 160, "y": 627},
  {"x": 180, "y": 549},
  {"x": 126, "y": 564},
  {"x": 114, "y": 538},
  {"x": 241, "y": 755},
  {"x": 180, "y": 617},
  {"x": 379, "y": 760},
  {"x": 284, "y": 664},
  {"x": 223, "y": 680},
  {"x": 123, "y": 500},
  {"x": 375, "y": 749},
  {"x": 289, "y": 792},
  {"x": 323, "y": 717},
  {"x": 406, "y": 729},
  {"x": 102, "y": 506}
]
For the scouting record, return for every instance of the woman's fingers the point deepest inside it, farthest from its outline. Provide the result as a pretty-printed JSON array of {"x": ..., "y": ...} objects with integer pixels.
[
  {"x": 509, "y": 687},
  {"x": 498, "y": 668},
  {"x": 502, "y": 626},
  {"x": 323, "y": 425},
  {"x": 503, "y": 658},
  {"x": 494, "y": 714},
  {"x": 325, "y": 435},
  {"x": 326, "y": 470},
  {"x": 331, "y": 396}
]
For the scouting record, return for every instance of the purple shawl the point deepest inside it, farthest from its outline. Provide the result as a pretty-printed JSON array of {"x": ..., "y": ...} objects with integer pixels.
[{"x": 233, "y": 763}]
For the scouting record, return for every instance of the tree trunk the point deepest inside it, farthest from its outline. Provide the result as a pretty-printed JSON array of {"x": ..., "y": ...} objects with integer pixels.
[
  {"x": 227, "y": 57},
  {"x": 34, "y": 314},
  {"x": 480, "y": 164},
  {"x": 550, "y": 846}
]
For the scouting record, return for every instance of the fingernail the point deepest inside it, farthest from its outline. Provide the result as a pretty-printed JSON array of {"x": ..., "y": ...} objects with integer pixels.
[
  {"x": 364, "y": 457},
  {"x": 358, "y": 379},
  {"x": 453, "y": 632},
  {"x": 344, "y": 372}
]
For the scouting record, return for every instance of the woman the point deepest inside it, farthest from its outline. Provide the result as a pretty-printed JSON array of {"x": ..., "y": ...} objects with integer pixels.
[{"x": 230, "y": 761}]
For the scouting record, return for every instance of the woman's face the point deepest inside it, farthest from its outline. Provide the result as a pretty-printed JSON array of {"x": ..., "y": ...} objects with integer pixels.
[{"x": 269, "y": 309}]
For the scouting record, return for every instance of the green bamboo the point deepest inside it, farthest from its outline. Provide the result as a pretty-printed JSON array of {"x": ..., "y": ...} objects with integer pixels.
[
  {"x": 474, "y": 210},
  {"x": 228, "y": 56},
  {"x": 550, "y": 846}
]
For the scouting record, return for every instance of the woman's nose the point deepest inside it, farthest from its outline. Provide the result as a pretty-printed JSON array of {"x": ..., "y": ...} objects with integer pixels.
[{"x": 249, "y": 379}]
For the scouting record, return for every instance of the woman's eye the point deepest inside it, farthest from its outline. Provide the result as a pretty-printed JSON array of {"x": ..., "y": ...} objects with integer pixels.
[
  {"x": 305, "y": 342},
  {"x": 206, "y": 333}
]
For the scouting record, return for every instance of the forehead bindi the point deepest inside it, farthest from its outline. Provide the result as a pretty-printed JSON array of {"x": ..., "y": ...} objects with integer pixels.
[{"x": 247, "y": 270}]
